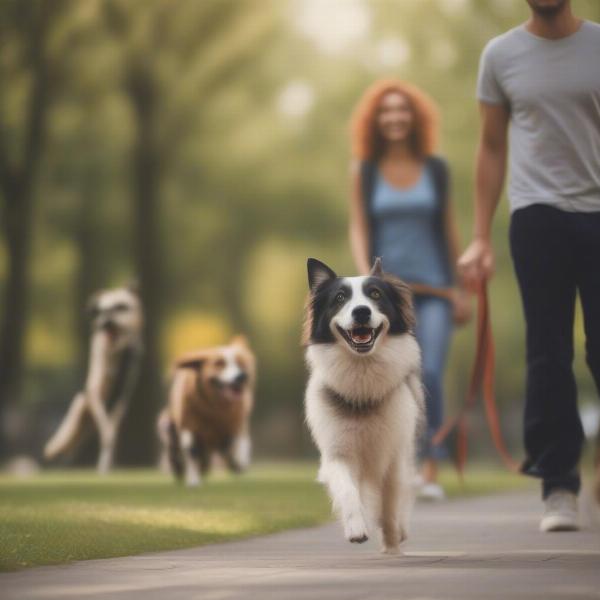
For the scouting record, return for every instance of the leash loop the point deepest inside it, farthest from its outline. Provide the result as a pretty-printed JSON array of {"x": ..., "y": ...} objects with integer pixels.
[{"x": 481, "y": 382}]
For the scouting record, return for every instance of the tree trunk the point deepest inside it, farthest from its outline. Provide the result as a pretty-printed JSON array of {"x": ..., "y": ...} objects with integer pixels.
[
  {"x": 17, "y": 183},
  {"x": 17, "y": 229},
  {"x": 138, "y": 439},
  {"x": 232, "y": 280},
  {"x": 92, "y": 272}
]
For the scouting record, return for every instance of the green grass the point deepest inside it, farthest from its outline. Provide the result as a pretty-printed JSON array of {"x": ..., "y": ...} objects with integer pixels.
[
  {"x": 481, "y": 479},
  {"x": 61, "y": 516}
]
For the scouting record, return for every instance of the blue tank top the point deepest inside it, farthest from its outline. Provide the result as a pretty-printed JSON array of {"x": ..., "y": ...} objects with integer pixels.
[{"x": 406, "y": 233}]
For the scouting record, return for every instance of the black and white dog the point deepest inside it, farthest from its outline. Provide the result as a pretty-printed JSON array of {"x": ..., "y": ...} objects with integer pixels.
[{"x": 364, "y": 398}]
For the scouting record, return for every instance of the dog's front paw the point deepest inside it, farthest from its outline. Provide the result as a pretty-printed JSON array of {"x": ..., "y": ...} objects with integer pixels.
[
  {"x": 391, "y": 550},
  {"x": 355, "y": 530},
  {"x": 402, "y": 534},
  {"x": 192, "y": 479}
]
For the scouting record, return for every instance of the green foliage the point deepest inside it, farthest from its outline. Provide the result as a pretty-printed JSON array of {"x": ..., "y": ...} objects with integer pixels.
[{"x": 248, "y": 188}]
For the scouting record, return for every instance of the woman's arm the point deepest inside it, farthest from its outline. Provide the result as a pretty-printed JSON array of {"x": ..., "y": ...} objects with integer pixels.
[
  {"x": 452, "y": 239},
  {"x": 358, "y": 225},
  {"x": 461, "y": 302}
]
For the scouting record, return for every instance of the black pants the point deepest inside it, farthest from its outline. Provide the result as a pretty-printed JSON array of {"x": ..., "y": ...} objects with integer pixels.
[{"x": 556, "y": 254}]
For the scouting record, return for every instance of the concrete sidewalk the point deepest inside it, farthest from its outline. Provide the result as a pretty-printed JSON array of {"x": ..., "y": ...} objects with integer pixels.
[{"x": 479, "y": 548}]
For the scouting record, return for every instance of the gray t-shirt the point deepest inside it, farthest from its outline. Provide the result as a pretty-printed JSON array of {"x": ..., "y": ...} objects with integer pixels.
[{"x": 552, "y": 89}]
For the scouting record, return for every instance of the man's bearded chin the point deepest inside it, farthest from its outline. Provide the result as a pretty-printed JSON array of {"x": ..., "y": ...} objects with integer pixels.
[{"x": 543, "y": 8}]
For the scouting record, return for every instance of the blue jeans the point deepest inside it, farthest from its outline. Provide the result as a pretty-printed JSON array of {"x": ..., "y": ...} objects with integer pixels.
[{"x": 434, "y": 329}]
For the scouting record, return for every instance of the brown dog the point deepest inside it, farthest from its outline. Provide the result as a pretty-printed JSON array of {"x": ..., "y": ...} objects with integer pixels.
[{"x": 210, "y": 401}]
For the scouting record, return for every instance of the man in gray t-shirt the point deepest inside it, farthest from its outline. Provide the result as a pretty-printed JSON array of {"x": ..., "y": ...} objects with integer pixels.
[
  {"x": 542, "y": 80},
  {"x": 551, "y": 87}
]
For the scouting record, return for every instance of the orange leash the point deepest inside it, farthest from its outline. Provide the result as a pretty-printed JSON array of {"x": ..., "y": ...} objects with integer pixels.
[{"x": 482, "y": 380}]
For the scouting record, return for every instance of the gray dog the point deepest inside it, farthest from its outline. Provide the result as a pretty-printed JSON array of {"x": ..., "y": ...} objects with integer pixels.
[{"x": 115, "y": 353}]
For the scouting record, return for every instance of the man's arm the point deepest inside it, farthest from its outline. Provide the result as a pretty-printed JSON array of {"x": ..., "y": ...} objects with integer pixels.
[{"x": 477, "y": 262}]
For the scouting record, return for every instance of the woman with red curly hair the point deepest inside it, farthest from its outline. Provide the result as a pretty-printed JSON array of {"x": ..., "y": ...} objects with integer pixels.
[{"x": 400, "y": 210}]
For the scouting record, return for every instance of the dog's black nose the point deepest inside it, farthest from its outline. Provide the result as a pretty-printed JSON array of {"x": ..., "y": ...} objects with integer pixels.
[
  {"x": 241, "y": 378},
  {"x": 361, "y": 314}
]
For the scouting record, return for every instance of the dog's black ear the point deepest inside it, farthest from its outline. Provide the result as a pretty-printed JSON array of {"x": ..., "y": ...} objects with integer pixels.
[
  {"x": 133, "y": 285},
  {"x": 318, "y": 273},
  {"x": 377, "y": 268}
]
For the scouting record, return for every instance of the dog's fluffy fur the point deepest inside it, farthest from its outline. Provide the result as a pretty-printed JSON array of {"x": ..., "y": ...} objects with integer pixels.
[
  {"x": 115, "y": 353},
  {"x": 364, "y": 398},
  {"x": 209, "y": 407}
]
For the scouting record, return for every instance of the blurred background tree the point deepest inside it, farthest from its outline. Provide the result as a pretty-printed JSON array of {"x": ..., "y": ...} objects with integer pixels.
[
  {"x": 26, "y": 31},
  {"x": 201, "y": 149}
]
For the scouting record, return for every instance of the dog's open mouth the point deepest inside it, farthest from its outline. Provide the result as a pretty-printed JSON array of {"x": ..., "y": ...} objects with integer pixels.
[
  {"x": 229, "y": 391},
  {"x": 111, "y": 329},
  {"x": 360, "y": 338}
]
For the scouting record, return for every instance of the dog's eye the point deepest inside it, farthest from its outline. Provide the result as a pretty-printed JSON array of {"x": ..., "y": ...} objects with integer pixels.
[
  {"x": 340, "y": 297},
  {"x": 121, "y": 307},
  {"x": 375, "y": 294}
]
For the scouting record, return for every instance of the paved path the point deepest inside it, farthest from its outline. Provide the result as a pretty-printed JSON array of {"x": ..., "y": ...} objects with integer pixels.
[{"x": 484, "y": 548}]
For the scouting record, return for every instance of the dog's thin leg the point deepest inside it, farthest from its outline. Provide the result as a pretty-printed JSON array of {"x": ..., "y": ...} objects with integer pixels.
[
  {"x": 132, "y": 364},
  {"x": 107, "y": 448},
  {"x": 345, "y": 496},
  {"x": 70, "y": 429},
  {"x": 238, "y": 457},
  {"x": 192, "y": 469},
  {"x": 406, "y": 495},
  {"x": 98, "y": 375},
  {"x": 108, "y": 439},
  {"x": 109, "y": 430},
  {"x": 110, "y": 424},
  {"x": 204, "y": 459},
  {"x": 389, "y": 511},
  {"x": 106, "y": 431}
]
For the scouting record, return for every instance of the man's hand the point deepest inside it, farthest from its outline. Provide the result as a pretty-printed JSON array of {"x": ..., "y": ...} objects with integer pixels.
[{"x": 476, "y": 265}]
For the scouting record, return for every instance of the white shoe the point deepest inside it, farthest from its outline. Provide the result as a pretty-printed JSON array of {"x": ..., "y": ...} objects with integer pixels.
[
  {"x": 418, "y": 482},
  {"x": 432, "y": 492},
  {"x": 561, "y": 512}
]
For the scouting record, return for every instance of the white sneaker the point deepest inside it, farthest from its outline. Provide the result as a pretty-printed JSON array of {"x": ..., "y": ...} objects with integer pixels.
[
  {"x": 432, "y": 492},
  {"x": 561, "y": 512},
  {"x": 418, "y": 482}
]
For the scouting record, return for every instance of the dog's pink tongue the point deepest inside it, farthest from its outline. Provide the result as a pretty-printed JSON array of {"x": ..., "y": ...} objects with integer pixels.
[
  {"x": 362, "y": 337},
  {"x": 230, "y": 394}
]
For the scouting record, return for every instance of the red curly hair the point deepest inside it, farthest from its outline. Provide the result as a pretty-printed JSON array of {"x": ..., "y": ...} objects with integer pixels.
[{"x": 367, "y": 142}]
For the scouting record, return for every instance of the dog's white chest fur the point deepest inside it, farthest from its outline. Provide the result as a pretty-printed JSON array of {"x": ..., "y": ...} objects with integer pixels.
[{"x": 363, "y": 412}]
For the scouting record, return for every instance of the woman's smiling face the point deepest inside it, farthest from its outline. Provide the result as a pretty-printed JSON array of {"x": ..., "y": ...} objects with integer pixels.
[{"x": 394, "y": 117}]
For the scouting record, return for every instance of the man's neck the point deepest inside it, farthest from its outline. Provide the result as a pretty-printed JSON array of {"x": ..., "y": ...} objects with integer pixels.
[{"x": 554, "y": 27}]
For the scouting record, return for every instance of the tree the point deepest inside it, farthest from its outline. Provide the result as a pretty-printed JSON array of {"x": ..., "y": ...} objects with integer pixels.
[
  {"x": 26, "y": 26},
  {"x": 173, "y": 62}
]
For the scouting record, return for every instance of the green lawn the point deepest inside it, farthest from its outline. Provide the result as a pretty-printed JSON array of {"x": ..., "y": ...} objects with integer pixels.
[{"x": 61, "y": 516}]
